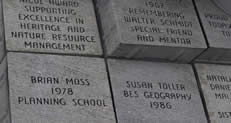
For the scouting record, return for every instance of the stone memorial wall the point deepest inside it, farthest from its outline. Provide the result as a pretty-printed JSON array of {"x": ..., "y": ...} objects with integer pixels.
[{"x": 114, "y": 61}]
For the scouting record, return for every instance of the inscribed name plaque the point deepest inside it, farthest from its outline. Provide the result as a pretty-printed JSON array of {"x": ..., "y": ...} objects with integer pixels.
[
  {"x": 151, "y": 29},
  {"x": 215, "y": 83},
  {"x": 217, "y": 28},
  {"x": 58, "y": 89},
  {"x": 4, "y": 107},
  {"x": 146, "y": 92},
  {"x": 51, "y": 26}
]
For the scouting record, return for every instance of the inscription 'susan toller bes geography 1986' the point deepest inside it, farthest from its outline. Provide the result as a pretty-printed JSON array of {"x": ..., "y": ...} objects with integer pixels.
[
  {"x": 148, "y": 92},
  {"x": 51, "y": 26},
  {"x": 147, "y": 29},
  {"x": 58, "y": 89},
  {"x": 217, "y": 28},
  {"x": 4, "y": 108},
  {"x": 215, "y": 83}
]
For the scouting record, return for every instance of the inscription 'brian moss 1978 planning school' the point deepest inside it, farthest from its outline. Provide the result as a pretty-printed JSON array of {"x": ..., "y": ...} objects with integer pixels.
[{"x": 58, "y": 89}]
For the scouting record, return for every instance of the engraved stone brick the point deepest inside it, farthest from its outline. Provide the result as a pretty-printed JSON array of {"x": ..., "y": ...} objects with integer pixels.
[
  {"x": 216, "y": 91},
  {"x": 217, "y": 28},
  {"x": 147, "y": 92},
  {"x": 151, "y": 29},
  {"x": 51, "y": 26},
  {"x": 58, "y": 89}
]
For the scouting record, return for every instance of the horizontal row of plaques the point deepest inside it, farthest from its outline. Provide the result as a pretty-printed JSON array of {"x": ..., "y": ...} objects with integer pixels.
[
  {"x": 56, "y": 88},
  {"x": 52, "y": 88},
  {"x": 161, "y": 30}
]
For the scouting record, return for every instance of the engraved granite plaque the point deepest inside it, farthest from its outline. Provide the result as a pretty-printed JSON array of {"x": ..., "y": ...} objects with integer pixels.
[
  {"x": 58, "y": 89},
  {"x": 4, "y": 107},
  {"x": 146, "y": 92},
  {"x": 215, "y": 84},
  {"x": 51, "y": 26},
  {"x": 217, "y": 28},
  {"x": 151, "y": 29}
]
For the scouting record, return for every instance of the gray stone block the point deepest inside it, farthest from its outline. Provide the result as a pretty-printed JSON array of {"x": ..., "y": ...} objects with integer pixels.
[
  {"x": 145, "y": 29},
  {"x": 58, "y": 89},
  {"x": 216, "y": 24},
  {"x": 2, "y": 42},
  {"x": 215, "y": 84},
  {"x": 224, "y": 4},
  {"x": 51, "y": 26},
  {"x": 147, "y": 92},
  {"x": 4, "y": 104}
]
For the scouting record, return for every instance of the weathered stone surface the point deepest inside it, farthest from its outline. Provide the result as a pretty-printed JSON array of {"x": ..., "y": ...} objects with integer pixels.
[
  {"x": 146, "y": 92},
  {"x": 4, "y": 107},
  {"x": 215, "y": 83},
  {"x": 51, "y": 26},
  {"x": 2, "y": 50},
  {"x": 216, "y": 24},
  {"x": 79, "y": 84},
  {"x": 135, "y": 28},
  {"x": 225, "y": 5},
  {"x": 2, "y": 45}
]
